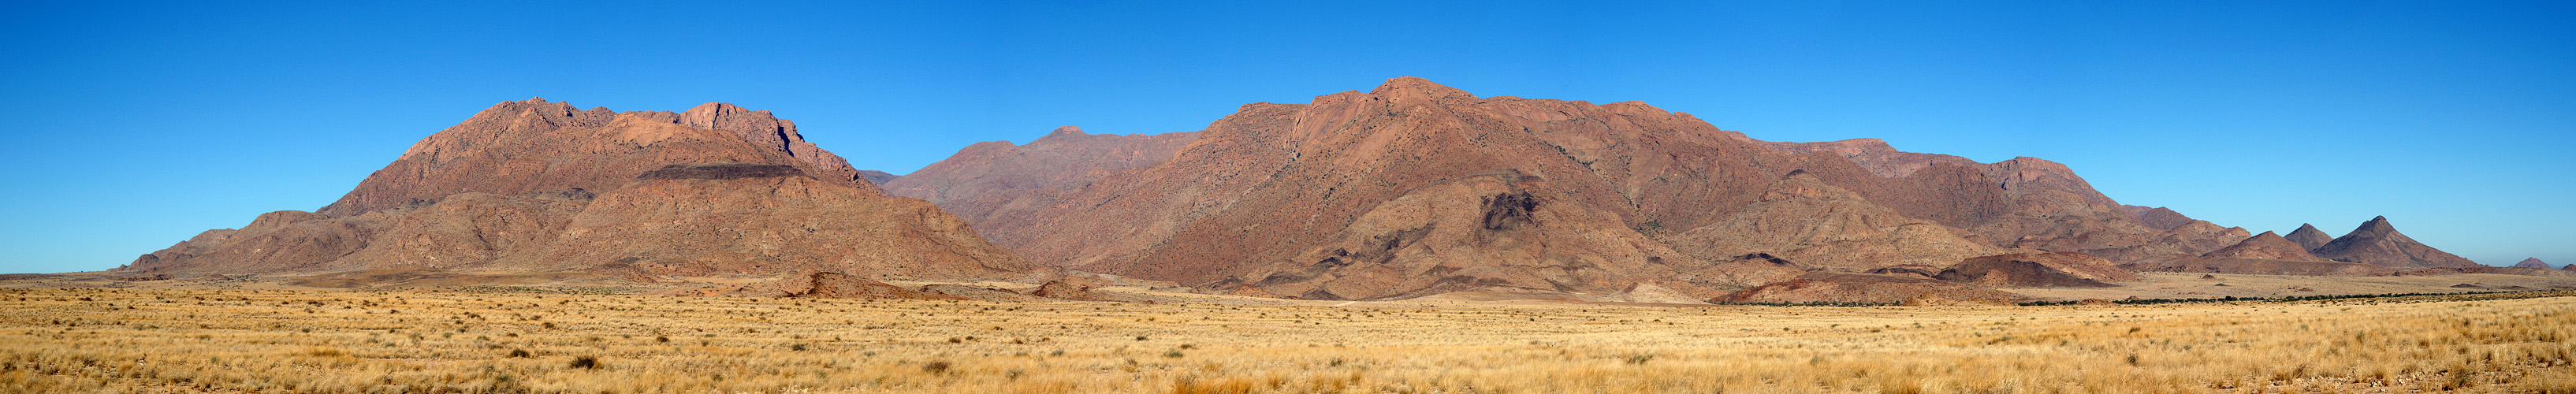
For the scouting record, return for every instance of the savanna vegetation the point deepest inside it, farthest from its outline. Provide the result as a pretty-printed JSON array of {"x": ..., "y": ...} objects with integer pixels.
[{"x": 129, "y": 340}]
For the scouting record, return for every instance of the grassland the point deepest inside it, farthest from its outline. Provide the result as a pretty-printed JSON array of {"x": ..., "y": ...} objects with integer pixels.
[{"x": 169, "y": 340}]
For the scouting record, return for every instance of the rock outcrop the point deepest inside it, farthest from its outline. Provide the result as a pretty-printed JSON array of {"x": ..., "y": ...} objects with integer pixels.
[
  {"x": 2309, "y": 237},
  {"x": 2532, "y": 263},
  {"x": 535, "y": 187},
  {"x": 2265, "y": 246},
  {"x": 2377, "y": 242},
  {"x": 839, "y": 285}
]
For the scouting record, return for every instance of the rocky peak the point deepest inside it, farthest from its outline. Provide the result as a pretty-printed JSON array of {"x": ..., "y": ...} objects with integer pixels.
[
  {"x": 757, "y": 126},
  {"x": 1066, "y": 131},
  {"x": 1400, "y": 89},
  {"x": 2532, "y": 263},
  {"x": 2378, "y": 242},
  {"x": 2376, "y": 225},
  {"x": 2309, "y": 237}
]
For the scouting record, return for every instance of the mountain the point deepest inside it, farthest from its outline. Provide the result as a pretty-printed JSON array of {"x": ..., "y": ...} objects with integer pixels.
[
  {"x": 533, "y": 146},
  {"x": 533, "y": 186},
  {"x": 2265, "y": 246},
  {"x": 1414, "y": 187},
  {"x": 1816, "y": 225},
  {"x": 2159, "y": 217},
  {"x": 2309, "y": 237},
  {"x": 2377, "y": 242},
  {"x": 998, "y": 178},
  {"x": 878, "y": 178},
  {"x": 2531, "y": 263}
]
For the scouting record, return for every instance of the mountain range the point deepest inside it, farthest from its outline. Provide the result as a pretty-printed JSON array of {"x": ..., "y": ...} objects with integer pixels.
[{"x": 1407, "y": 190}]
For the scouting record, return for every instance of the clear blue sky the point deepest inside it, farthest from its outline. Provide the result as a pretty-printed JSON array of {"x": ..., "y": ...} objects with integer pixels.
[{"x": 135, "y": 125}]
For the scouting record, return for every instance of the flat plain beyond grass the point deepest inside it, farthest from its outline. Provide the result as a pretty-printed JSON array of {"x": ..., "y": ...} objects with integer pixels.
[{"x": 132, "y": 340}]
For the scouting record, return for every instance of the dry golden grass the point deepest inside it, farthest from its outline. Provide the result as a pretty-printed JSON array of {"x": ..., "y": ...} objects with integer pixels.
[{"x": 131, "y": 340}]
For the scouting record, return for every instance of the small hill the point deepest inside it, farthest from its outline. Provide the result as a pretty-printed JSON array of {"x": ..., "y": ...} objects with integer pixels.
[
  {"x": 2378, "y": 242},
  {"x": 2265, "y": 246},
  {"x": 535, "y": 186},
  {"x": 2038, "y": 270},
  {"x": 2531, "y": 263},
  {"x": 2309, "y": 237}
]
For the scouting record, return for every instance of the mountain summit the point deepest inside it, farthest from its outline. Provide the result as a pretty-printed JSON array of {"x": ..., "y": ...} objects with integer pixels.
[
  {"x": 2309, "y": 237},
  {"x": 2377, "y": 242}
]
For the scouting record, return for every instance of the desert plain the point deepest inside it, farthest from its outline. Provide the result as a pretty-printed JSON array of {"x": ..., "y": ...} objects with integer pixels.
[{"x": 265, "y": 337}]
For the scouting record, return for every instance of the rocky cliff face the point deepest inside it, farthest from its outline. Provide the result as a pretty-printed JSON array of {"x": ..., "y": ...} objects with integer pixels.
[
  {"x": 2377, "y": 242},
  {"x": 1415, "y": 187},
  {"x": 532, "y": 186},
  {"x": 534, "y": 146}
]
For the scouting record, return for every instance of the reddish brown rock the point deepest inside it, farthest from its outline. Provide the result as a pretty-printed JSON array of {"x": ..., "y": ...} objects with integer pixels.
[
  {"x": 2160, "y": 218},
  {"x": 2013, "y": 273},
  {"x": 2531, "y": 263},
  {"x": 761, "y": 211},
  {"x": 537, "y": 146},
  {"x": 2265, "y": 246},
  {"x": 1416, "y": 188},
  {"x": 2309, "y": 237},
  {"x": 1871, "y": 153},
  {"x": 877, "y": 177},
  {"x": 2377, "y": 242}
]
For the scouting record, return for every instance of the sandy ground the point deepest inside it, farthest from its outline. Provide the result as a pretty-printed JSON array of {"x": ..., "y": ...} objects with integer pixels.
[
  {"x": 2191, "y": 285},
  {"x": 2155, "y": 285}
]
